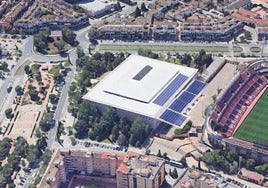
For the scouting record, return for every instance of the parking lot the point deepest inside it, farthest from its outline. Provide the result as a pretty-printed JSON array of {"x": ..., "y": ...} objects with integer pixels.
[{"x": 100, "y": 146}]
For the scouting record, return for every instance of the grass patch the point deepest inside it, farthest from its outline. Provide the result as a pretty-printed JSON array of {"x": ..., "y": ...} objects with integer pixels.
[
  {"x": 55, "y": 70},
  {"x": 255, "y": 126},
  {"x": 237, "y": 49},
  {"x": 35, "y": 68},
  {"x": 172, "y": 48},
  {"x": 255, "y": 49}
]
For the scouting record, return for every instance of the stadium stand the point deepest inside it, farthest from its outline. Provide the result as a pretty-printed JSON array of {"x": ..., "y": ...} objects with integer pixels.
[{"x": 234, "y": 101}]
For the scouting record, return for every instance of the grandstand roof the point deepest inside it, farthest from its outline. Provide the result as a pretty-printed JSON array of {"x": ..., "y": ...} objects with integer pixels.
[{"x": 137, "y": 82}]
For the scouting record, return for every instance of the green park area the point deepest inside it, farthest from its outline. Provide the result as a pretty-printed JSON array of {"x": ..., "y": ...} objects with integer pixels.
[
  {"x": 48, "y": 44},
  {"x": 255, "y": 126},
  {"x": 164, "y": 47}
]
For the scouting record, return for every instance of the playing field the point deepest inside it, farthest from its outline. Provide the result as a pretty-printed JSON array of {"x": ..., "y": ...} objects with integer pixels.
[{"x": 255, "y": 126}]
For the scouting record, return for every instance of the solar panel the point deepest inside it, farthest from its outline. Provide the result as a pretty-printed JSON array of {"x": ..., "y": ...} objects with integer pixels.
[
  {"x": 182, "y": 101},
  {"x": 196, "y": 86},
  {"x": 173, "y": 117},
  {"x": 170, "y": 90}
]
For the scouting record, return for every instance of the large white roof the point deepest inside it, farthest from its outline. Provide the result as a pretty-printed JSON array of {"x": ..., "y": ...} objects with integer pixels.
[{"x": 135, "y": 83}]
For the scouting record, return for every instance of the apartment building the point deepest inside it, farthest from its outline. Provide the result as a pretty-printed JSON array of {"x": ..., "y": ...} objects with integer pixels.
[
  {"x": 141, "y": 171},
  {"x": 122, "y": 32},
  {"x": 17, "y": 10},
  {"x": 128, "y": 169},
  {"x": 257, "y": 17},
  {"x": 203, "y": 28},
  {"x": 52, "y": 14}
]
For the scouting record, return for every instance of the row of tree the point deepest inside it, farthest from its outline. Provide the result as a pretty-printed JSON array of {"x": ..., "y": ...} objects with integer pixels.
[
  {"x": 229, "y": 161},
  {"x": 107, "y": 125},
  {"x": 226, "y": 161}
]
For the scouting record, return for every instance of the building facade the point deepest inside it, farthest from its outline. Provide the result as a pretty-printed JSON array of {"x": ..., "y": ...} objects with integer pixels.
[{"x": 130, "y": 170}]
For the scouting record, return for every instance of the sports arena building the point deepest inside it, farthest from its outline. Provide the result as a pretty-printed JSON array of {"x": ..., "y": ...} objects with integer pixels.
[
  {"x": 153, "y": 90},
  {"x": 234, "y": 105}
]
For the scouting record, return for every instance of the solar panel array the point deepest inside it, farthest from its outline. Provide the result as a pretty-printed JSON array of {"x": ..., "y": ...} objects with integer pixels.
[
  {"x": 173, "y": 114},
  {"x": 182, "y": 101},
  {"x": 195, "y": 87},
  {"x": 170, "y": 90},
  {"x": 173, "y": 117}
]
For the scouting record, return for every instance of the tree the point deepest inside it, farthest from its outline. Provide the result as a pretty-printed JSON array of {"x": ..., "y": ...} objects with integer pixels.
[
  {"x": 118, "y": 6},
  {"x": 34, "y": 95},
  {"x": 122, "y": 140},
  {"x": 175, "y": 173},
  {"x": 186, "y": 59},
  {"x": 47, "y": 122},
  {"x": 4, "y": 65},
  {"x": 92, "y": 37},
  {"x": 263, "y": 169},
  {"x": 165, "y": 156},
  {"x": 81, "y": 128},
  {"x": 33, "y": 155},
  {"x": 250, "y": 163},
  {"x": 41, "y": 143},
  {"x": 139, "y": 131},
  {"x": 147, "y": 152},
  {"x": 183, "y": 161},
  {"x": 143, "y": 7},
  {"x": 68, "y": 36},
  {"x": 8, "y": 112},
  {"x": 41, "y": 40},
  {"x": 231, "y": 156},
  {"x": 137, "y": 12},
  {"x": 147, "y": 53},
  {"x": 46, "y": 156},
  {"x": 159, "y": 153},
  {"x": 203, "y": 59},
  {"x": 18, "y": 90},
  {"x": 14, "y": 160},
  {"x": 59, "y": 45},
  {"x": 20, "y": 146},
  {"x": 115, "y": 133},
  {"x": 248, "y": 35},
  {"x": 38, "y": 133},
  {"x": 5, "y": 146},
  {"x": 80, "y": 52},
  {"x": 11, "y": 185},
  {"x": 53, "y": 98}
]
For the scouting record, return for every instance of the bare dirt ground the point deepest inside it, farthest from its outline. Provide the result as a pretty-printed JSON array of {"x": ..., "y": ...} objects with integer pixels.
[
  {"x": 25, "y": 121},
  {"x": 28, "y": 113}
]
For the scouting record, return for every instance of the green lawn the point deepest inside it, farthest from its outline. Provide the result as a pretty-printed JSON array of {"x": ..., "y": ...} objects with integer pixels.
[
  {"x": 255, "y": 126},
  {"x": 135, "y": 47},
  {"x": 237, "y": 49},
  {"x": 255, "y": 49}
]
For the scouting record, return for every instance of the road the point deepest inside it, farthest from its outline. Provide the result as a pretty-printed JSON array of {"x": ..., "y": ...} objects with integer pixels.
[{"x": 62, "y": 104}]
